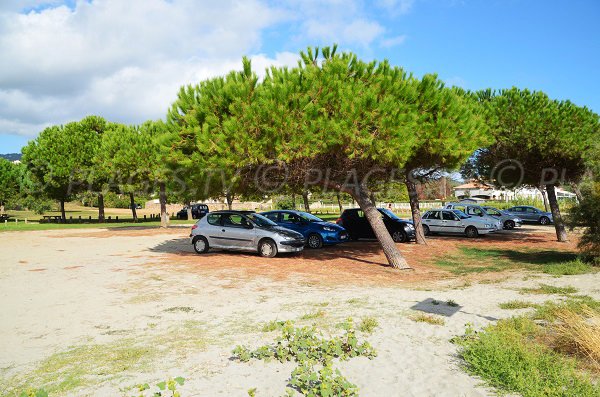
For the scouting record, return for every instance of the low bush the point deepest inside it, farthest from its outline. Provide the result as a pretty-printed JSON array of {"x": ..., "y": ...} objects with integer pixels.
[
  {"x": 368, "y": 324},
  {"x": 314, "y": 375},
  {"x": 556, "y": 356}
]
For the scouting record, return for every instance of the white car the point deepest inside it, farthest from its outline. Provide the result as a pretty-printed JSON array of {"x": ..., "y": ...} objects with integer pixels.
[
  {"x": 455, "y": 222},
  {"x": 244, "y": 231},
  {"x": 476, "y": 210}
]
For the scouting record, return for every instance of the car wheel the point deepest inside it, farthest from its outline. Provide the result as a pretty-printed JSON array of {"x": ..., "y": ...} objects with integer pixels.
[
  {"x": 399, "y": 236},
  {"x": 315, "y": 241},
  {"x": 544, "y": 220},
  {"x": 426, "y": 230},
  {"x": 509, "y": 225},
  {"x": 267, "y": 248},
  {"x": 471, "y": 232},
  {"x": 200, "y": 245}
]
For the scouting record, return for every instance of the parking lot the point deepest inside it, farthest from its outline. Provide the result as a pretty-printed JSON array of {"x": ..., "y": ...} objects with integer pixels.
[{"x": 74, "y": 300}]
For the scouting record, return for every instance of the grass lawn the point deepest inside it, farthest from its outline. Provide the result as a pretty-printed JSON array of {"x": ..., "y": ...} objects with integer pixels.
[
  {"x": 478, "y": 260},
  {"x": 11, "y": 226}
]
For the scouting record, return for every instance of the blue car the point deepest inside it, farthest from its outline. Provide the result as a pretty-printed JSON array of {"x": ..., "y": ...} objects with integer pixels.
[{"x": 315, "y": 230}]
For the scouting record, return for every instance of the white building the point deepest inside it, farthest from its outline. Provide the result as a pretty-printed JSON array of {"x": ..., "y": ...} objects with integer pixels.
[{"x": 483, "y": 191}]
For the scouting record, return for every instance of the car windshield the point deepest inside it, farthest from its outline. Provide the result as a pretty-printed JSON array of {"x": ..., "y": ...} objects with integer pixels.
[
  {"x": 309, "y": 217},
  {"x": 389, "y": 213},
  {"x": 260, "y": 220},
  {"x": 461, "y": 214}
]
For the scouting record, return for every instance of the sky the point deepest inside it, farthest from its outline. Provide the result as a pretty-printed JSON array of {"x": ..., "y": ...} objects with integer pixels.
[{"x": 125, "y": 60}]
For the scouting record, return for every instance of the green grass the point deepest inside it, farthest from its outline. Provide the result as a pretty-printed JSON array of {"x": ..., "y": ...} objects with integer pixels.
[
  {"x": 427, "y": 318},
  {"x": 480, "y": 260},
  {"x": 574, "y": 303},
  {"x": 507, "y": 356},
  {"x": 545, "y": 289},
  {"x": 568, "y": 268},
  {"x": 82, "y": 366},
  {"x": 313, "y": 315},
  {"x": 517, "y": 304},
  {"x": 31, "y": 226},
  {"x": 86, "y": 366},
  {"x": 368, "y": 324}
]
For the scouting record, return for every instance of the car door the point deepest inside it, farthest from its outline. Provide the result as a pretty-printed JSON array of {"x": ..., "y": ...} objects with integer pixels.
[
  {"x": 516, "y": 211},
  {"x": 451, "y": 223},
  {"x": 213, "y": 231},
  {"x": 273, "y": 216},
  {"x": 236, "y": 232},
  {"x": 291, "y": 221},
  {"x": 433, "y": 221},
  {"x": 363, "y": 225},
  {"x": 532, "y": 214}
]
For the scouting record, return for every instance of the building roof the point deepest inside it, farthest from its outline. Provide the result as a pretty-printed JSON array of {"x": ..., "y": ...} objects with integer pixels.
[{"x": 473, "y": 185}]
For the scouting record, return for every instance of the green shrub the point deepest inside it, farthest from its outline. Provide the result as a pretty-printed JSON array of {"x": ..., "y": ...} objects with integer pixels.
[
  {"x": 321, "y": 382},
  {"x": 368, "y": 324},
  {"x": 586, "y": 215},
  {"x": 314, "y": 375},
  {"x": 507, "y": 356},
  {"x": 167, "y": 388},
  {"x": 284, "y": 203}
]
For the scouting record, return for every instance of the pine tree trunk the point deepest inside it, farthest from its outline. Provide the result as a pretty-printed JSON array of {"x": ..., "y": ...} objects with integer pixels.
[
  {"x": 413, "y": 197},
  {"x": 306, "y": 203},
  {"x": 229, "y": 199},
  {"x": 190, "y": 215},
  {"x": 372, "y": 198},
  {"x": 559, "y": 224},
  {"x": 340, "y": 202},
  {"x": 100, "y": 208},
  {"x": 133, "y": 209},
  {"x": 393, "y": 255},
  {"x": 162, "y": 197},
  {"x": 577, "y": 191},
  {"x": 62, "y": 211},
  {"x": 293, "y": 201},
  {"x": 544, "y": 197}
]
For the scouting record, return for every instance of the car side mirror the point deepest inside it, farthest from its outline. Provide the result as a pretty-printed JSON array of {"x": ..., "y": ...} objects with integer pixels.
[{"x": 249, "y": 226}]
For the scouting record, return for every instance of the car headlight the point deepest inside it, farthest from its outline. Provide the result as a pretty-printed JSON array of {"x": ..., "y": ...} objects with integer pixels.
[
  {"x": 409, "y": 226},
  {"x": 329, "y": 229},
  {"x": 488, "y": 225},
  {"x": 517, "y": 220}
]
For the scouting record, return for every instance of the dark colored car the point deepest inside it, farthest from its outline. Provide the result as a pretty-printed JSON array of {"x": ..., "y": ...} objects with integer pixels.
[
  {"x": 531, "y": 214},
  {"x": 315, "y": 230},
  {"x": 357, "y": 225},
  {"x": 198, "y": 211}
]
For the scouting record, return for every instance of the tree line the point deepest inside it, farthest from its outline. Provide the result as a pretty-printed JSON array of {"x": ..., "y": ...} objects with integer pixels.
[{"x": 332, "y": 123}]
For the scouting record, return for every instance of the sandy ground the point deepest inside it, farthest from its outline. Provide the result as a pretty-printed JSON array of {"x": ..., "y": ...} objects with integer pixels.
[{"x": 61, "y": 291}]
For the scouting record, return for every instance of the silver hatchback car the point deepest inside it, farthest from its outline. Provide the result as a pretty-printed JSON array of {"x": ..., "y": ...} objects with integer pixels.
[{"x": 244, "y": 231}]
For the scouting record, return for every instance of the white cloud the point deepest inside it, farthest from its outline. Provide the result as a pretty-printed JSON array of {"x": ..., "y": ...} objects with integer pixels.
[
  {"x": 125, "y": 60},
  {"x": 396, "y": 6},
  {"x": 393, "y": 41}
]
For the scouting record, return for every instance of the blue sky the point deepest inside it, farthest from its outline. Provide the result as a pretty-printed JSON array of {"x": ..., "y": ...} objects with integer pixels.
[{"x": 60, "y": 61}]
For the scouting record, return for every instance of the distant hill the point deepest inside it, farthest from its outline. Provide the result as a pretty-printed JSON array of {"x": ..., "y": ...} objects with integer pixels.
[{"x": 11, "y": 156}]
